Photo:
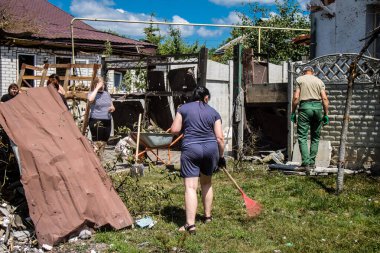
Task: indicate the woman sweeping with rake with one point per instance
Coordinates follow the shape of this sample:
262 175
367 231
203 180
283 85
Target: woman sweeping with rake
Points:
202 152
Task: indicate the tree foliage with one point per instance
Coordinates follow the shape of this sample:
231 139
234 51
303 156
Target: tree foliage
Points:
277 43
152 34
174 44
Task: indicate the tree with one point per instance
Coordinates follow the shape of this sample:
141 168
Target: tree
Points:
352 75
174 44
152 34
277 43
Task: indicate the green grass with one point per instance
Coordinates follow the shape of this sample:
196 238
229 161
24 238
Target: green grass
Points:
301 214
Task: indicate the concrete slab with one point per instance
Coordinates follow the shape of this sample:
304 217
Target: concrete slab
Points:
323 157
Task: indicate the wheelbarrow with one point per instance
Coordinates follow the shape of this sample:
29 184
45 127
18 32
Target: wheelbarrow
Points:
152 141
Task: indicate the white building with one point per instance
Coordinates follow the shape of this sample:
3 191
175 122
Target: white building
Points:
39 32
339 25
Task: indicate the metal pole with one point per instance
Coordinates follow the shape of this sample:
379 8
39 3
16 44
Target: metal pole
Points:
174 23
72 41
259 42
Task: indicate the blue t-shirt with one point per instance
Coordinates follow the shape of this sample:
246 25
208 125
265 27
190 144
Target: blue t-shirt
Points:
198 121
100 107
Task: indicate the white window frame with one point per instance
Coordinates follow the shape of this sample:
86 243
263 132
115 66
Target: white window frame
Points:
121 79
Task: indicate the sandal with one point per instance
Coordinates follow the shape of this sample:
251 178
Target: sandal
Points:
188 228
207 219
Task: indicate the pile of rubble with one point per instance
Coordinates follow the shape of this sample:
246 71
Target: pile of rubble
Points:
15 236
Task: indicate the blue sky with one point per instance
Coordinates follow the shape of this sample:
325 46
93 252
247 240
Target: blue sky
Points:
194 11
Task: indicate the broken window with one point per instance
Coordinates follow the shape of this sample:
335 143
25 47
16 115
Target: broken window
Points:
28 59
373 21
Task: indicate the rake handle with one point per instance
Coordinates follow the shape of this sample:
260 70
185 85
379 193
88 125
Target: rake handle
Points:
232 179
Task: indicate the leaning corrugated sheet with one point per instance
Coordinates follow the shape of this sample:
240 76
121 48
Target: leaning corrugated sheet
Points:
64 182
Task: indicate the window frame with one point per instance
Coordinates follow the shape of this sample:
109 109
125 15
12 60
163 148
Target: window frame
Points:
19 65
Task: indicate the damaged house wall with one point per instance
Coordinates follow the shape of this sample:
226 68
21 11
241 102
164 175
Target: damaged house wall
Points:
10 62
338 27
37 32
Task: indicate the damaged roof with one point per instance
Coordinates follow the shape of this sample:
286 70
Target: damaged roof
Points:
65 185
42 21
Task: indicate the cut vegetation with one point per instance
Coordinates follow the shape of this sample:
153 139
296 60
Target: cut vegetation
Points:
300 214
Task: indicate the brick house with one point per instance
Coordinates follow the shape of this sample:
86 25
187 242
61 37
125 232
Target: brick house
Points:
37 32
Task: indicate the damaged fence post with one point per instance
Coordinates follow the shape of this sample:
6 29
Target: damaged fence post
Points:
238 102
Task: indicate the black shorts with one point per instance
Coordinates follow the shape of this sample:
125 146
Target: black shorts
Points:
199 158
100 129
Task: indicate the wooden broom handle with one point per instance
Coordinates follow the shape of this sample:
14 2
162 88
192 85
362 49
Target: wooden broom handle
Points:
232 179
138 139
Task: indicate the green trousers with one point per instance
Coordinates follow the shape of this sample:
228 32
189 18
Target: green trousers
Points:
310 116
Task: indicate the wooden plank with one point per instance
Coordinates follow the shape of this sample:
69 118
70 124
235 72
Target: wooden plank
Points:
69 65
22 72
81 95
267 93
27 77
33 67
70 78
66 79
87 112
44 73
61 66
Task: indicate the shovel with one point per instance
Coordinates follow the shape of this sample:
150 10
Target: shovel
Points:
138 169
253 208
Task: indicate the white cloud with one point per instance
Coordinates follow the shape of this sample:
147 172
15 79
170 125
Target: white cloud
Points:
229 3
232 18
303 4
203 32
105 9
186 31
239 2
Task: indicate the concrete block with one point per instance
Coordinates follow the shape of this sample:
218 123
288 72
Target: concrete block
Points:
323 157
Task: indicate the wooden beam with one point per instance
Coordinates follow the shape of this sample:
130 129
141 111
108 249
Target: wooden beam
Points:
66 79
22 72
267 93
44 73
87 112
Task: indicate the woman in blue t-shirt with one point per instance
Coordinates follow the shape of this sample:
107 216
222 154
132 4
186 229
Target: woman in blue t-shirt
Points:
202 152
100 112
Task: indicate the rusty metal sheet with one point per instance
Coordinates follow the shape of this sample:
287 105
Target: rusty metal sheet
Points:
64 182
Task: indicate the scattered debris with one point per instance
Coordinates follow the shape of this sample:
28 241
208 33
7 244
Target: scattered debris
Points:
146 222
291 168
85 234
267 157
125 146
47 247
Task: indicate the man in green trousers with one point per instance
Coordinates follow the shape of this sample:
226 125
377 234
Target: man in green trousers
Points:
313 103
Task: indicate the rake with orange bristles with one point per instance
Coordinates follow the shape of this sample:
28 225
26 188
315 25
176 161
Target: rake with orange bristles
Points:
253 207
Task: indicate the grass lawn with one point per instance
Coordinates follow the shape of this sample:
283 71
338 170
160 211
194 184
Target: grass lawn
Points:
301 214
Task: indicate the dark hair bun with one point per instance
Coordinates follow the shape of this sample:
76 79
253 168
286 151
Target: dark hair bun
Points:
199 93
